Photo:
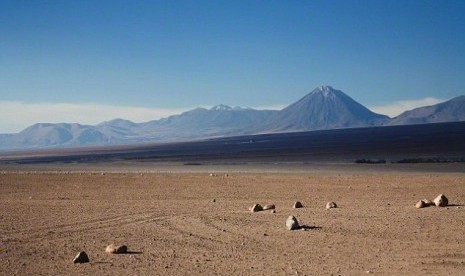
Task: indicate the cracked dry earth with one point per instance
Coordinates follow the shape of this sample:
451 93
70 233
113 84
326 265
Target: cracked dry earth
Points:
172 225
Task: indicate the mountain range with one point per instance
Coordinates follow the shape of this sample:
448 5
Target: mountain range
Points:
323 108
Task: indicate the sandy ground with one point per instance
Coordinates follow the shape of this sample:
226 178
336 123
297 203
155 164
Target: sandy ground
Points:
172 226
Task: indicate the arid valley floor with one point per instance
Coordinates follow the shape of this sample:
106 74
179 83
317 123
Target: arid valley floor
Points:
191 223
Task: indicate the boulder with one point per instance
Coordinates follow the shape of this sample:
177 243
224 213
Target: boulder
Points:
256 208
441 201
269 207
113 249
297 204
81 258
331 204
292 223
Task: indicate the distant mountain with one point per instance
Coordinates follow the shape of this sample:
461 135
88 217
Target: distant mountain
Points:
323 108
450 111
220 120
54 135
118 131
118 123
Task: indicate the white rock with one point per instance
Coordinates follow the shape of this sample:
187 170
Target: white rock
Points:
113 249
269 207
441 201
331 204
292 223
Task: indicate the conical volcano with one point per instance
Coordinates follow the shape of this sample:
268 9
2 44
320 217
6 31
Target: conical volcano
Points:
324 108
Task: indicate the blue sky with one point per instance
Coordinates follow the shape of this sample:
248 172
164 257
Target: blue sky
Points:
143 60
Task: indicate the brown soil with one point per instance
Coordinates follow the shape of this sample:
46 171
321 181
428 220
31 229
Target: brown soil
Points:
172 225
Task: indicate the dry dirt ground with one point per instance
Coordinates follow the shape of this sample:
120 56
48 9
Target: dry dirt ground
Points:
172 226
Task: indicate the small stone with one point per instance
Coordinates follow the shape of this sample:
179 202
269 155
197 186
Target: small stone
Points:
331 205
269 207
81 258
441 201
213 200
420 204
113 249
292 223
298 204
256 208
428 202
273 211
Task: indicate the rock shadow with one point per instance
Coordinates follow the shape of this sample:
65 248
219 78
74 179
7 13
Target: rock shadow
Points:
308 227
130 252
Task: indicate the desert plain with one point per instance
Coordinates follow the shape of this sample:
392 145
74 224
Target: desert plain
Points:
195 222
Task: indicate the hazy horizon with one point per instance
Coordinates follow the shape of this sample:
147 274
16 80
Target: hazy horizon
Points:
92 114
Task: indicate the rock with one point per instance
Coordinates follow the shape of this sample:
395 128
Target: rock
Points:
273 211
256 208
81 258
331 204
424 203
292 223
428 202
441 201
420 204
113 249
269 207
213 200
297 204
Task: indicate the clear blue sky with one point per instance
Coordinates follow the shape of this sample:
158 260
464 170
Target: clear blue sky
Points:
182 54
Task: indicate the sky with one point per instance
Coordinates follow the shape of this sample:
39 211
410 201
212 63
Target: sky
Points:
88 61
